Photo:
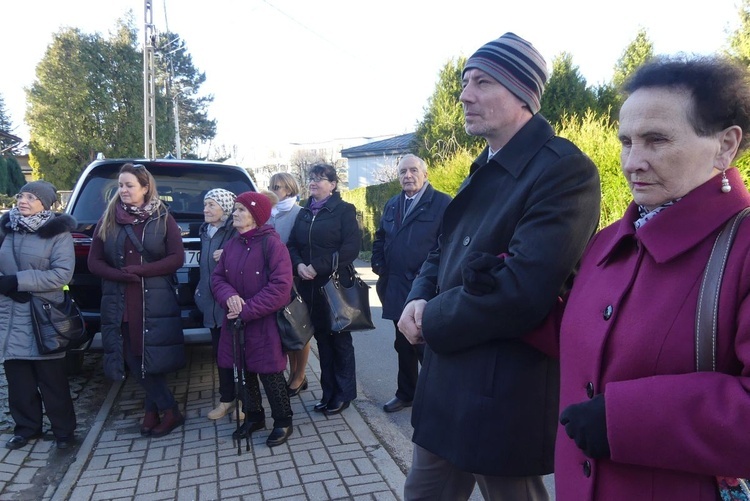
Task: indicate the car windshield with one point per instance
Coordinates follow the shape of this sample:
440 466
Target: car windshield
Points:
181 189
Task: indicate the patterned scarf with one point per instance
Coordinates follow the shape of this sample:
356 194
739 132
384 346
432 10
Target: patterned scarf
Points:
647 215
137 215
28 223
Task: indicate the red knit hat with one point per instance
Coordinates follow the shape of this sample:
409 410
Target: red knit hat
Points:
258 204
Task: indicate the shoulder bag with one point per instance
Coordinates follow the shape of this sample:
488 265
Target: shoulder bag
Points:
295 326
349 307
57 327
730 488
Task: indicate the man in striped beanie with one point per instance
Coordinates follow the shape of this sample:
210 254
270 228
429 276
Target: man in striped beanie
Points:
516 64
486 404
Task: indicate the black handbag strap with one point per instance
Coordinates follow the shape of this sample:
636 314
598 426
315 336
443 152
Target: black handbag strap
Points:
334 263
708 297
138 245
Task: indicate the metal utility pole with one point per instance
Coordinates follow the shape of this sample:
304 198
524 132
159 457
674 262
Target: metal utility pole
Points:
149 83
177 144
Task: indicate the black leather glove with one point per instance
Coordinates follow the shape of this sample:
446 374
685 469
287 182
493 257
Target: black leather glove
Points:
20 297
586 424
8 283
476 273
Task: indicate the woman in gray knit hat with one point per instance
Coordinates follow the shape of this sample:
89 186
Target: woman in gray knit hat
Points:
42 268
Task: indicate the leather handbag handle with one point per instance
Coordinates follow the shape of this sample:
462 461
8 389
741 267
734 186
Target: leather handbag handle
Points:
708 297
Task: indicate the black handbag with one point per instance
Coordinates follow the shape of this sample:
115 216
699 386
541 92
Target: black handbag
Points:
295 326
57 327
349 307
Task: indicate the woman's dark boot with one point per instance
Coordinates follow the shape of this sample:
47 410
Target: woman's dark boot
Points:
150 421
169 421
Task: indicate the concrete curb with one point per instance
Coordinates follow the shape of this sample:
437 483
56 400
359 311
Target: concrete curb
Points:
64 488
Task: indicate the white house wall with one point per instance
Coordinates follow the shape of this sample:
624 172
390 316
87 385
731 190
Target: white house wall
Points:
363 170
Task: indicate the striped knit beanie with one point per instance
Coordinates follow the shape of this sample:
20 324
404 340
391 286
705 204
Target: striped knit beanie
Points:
516 64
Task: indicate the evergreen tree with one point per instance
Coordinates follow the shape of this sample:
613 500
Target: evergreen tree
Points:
6 126
640 50
739 49
739 40
566 92
441 132
88 98
4 175
15 176
183 81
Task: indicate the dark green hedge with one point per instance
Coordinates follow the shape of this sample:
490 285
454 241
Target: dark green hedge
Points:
370 201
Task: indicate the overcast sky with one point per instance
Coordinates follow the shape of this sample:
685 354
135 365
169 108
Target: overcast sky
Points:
297 71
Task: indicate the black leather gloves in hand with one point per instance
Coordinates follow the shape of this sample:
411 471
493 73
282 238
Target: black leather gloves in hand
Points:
586 424
476 273
8 283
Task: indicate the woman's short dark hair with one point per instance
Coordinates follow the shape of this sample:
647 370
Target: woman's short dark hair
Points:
719 86
327 171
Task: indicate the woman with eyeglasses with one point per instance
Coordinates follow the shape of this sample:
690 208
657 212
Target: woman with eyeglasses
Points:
283 216
136 249
36 258
326 225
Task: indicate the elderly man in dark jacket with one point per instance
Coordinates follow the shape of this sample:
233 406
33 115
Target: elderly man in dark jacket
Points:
408 231
485 410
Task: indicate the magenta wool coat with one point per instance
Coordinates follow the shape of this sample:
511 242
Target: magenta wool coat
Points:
628 332
265 283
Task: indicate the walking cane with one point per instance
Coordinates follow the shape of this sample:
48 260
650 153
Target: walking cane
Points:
238 386
239 329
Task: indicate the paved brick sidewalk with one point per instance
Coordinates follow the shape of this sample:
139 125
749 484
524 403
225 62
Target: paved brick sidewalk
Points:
34 472
335 457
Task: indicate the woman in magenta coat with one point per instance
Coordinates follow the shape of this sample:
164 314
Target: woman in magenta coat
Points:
252 281
638 422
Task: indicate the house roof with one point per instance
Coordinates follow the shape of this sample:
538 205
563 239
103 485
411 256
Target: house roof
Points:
396 145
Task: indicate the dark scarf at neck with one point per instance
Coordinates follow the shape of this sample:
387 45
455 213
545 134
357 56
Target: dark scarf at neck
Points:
316 206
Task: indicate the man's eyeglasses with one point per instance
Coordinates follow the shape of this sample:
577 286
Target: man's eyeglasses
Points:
25 196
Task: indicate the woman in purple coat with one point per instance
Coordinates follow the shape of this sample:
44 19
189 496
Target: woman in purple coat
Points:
252 281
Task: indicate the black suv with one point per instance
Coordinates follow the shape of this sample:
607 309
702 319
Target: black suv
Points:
182 185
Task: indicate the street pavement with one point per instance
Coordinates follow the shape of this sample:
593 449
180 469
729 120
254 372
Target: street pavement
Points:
360 454
336 457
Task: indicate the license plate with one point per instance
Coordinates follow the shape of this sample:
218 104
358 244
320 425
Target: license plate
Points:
192 258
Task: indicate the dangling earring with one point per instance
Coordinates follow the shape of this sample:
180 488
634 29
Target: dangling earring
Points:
725 187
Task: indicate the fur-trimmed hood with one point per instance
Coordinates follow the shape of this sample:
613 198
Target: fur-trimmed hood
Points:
60 223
